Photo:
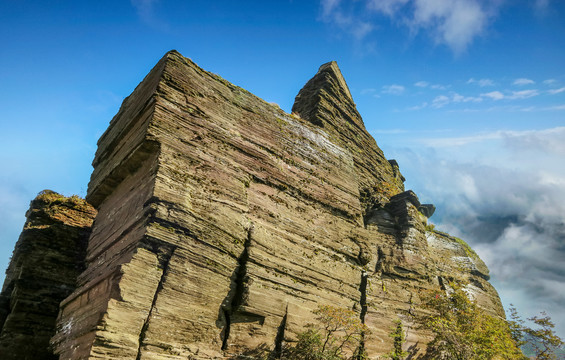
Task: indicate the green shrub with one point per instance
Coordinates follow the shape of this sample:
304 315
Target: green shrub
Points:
339 335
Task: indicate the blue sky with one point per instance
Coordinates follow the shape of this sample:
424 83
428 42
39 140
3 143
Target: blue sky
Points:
467 95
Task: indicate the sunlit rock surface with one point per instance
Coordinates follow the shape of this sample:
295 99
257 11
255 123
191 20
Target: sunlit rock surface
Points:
223 222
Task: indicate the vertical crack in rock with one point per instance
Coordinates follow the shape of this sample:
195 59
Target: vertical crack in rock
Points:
380 261
363 303
363 291
441 283
164 259
239 294
279 339
226 330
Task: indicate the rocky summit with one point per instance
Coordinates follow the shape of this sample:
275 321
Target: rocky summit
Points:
220 224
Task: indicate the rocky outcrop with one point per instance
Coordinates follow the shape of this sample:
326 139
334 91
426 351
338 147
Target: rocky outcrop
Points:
223 222
45 264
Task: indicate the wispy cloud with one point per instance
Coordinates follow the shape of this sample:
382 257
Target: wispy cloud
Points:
549 81
494 95
393 89
548 139
388 7
389 131
425 84
146 11
556 91
514 95
439 87
481 82
349 22
524 94
370 92
443 100
440 101
455 23
523 81
541 6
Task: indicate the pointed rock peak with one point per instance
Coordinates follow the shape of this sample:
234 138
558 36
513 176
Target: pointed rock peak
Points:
326 99
333 70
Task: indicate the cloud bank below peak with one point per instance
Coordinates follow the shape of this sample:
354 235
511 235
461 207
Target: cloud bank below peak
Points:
454 23
504 193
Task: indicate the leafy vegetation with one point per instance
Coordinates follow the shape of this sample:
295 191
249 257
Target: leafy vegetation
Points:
465 331
541 340
340 336
462 330
397 335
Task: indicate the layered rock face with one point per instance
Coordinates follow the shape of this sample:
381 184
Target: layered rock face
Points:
223 222
47 259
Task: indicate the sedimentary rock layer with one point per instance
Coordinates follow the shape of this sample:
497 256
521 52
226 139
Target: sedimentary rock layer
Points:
43 270
223 222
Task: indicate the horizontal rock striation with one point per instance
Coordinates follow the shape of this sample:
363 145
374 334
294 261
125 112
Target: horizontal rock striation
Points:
47 259
223 222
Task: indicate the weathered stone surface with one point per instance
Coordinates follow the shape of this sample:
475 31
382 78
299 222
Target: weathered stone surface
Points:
427 210
45 264
223 222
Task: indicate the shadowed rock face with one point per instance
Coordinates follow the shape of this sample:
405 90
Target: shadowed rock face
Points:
223 222
45 264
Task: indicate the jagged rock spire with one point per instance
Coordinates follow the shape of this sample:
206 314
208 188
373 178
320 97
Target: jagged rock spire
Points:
326 101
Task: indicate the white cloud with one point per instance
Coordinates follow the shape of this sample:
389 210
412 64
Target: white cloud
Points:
514 95
425 84
524 94
452 22
455 23
523 81
348 22
549 81
495 95
548 141
557 107
439 87
440 101
388 7
504 193
328 6
556 91
457 98
393 89
481 82
443 100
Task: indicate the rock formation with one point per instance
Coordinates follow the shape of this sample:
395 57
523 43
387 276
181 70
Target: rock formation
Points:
45 264
223 222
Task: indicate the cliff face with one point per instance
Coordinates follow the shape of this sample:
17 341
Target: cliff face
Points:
45 264
223 222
